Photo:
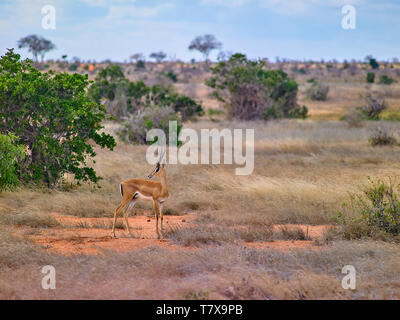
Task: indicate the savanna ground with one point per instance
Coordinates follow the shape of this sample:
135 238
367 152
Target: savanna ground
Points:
262 236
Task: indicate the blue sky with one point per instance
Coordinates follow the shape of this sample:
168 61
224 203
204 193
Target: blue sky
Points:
296 29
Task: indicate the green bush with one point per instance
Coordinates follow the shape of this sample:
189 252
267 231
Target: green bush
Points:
171 75
386 80
10 155
249 91
53 118
373 212
370 77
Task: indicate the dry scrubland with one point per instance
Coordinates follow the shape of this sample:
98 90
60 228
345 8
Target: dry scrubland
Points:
304 170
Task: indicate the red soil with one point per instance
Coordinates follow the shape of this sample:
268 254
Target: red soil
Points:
72 238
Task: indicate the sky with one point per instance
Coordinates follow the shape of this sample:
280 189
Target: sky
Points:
291 29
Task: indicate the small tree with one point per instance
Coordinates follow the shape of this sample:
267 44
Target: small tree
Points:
372 62
158 56
53 118
205 44
136 56
36 45
370 77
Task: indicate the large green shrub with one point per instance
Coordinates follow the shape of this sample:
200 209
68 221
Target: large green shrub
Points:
10 155
249 91
53 118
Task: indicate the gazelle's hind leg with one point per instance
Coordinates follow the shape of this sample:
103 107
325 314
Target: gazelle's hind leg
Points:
117 211
155 207
126 214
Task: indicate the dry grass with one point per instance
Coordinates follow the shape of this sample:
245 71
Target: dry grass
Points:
228 271
303 173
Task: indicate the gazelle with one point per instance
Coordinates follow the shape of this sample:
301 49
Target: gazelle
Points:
134 189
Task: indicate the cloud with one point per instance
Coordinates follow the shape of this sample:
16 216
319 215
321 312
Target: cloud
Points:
131 11
105 3
225 3
95 3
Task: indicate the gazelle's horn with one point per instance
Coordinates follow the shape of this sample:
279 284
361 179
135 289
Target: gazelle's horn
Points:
161 156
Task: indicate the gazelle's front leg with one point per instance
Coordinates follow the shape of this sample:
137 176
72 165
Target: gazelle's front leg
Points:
126 215
161 215
155 207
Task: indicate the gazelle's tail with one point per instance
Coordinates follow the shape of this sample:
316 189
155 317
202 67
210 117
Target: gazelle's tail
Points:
121 190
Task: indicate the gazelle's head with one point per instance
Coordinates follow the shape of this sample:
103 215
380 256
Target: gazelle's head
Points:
159 167
157 170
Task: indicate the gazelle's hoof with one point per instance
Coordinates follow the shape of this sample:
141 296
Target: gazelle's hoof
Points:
113 235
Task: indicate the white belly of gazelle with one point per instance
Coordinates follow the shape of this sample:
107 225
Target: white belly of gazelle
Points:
143 197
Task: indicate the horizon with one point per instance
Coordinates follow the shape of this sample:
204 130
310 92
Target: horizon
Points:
302 29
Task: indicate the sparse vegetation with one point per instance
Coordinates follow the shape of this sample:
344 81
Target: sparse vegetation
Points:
373 106
382 136
317 91
375 213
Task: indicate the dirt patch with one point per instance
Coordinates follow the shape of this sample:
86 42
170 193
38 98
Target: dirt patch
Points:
92 236
313 232
95 236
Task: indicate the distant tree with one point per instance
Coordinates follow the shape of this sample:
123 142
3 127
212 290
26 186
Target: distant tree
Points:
372 62
37 45
205 44
158 56
136 57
